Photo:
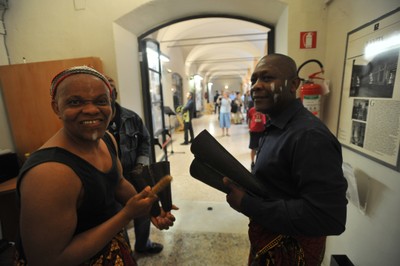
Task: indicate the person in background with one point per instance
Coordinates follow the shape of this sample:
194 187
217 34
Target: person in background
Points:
74 201
225 113
216 105
256 123
299 161
247 103
237 109
187 114
232 95
133 140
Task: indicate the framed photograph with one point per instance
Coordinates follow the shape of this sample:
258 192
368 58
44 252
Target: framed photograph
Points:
369 119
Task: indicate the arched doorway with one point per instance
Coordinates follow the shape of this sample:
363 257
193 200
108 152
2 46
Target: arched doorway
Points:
149 19
206 53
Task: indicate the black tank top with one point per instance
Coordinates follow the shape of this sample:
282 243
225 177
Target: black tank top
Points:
98 203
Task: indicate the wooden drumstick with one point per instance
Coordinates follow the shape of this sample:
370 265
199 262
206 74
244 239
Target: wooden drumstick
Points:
162 184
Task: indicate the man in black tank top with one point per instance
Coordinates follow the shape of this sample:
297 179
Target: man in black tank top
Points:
70 191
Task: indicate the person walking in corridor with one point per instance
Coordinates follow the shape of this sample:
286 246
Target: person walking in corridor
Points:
216 105
256 122
225 113
236 109
187 114
299 163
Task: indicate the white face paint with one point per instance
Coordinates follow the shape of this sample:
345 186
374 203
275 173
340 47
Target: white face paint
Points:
276 95
94 136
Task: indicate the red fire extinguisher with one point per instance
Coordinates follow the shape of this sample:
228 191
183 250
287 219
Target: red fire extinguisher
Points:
310 92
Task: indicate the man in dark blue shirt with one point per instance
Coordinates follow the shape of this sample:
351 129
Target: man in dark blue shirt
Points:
300 164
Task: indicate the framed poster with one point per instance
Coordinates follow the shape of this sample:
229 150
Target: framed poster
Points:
369 120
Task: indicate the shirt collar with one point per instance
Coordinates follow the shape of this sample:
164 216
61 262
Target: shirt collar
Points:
283 118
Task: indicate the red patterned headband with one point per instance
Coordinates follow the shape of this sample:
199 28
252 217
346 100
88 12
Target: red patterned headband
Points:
73 71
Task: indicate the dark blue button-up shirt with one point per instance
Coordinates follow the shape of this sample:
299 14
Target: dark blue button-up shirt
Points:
300 164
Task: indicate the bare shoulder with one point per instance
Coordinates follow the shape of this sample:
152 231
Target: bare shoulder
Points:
49 198
51 180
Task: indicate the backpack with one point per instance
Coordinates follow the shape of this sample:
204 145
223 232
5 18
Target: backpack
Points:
234 107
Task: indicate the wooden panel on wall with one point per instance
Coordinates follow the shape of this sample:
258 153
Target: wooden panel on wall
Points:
26 94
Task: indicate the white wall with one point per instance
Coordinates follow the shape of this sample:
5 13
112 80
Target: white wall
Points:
234 84
175 65
126 55
281 36
306 15
370 239
43 30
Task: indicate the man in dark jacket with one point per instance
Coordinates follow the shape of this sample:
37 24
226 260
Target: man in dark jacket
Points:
133 141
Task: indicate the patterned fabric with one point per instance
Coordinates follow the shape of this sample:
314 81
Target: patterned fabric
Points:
274 249
77 70
116 253
18 261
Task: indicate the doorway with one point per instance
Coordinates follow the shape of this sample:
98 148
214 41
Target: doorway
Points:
207 54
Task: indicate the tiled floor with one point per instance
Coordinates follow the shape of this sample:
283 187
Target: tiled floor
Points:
207 231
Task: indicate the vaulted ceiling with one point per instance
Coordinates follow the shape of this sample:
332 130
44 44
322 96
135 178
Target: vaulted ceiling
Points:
216 48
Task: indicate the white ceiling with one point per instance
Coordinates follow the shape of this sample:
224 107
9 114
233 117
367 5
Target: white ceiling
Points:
215 48
215 45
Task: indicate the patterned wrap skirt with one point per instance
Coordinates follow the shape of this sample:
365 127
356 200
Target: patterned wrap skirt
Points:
274 249
116 253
